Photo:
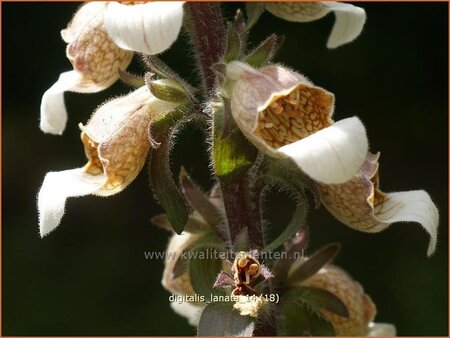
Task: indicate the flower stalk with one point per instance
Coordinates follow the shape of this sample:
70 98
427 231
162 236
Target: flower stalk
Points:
207 32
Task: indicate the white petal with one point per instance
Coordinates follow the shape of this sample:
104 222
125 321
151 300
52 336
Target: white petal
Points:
332 155
57 187
382 329
149 28
348 25
53 109
411 206
189 311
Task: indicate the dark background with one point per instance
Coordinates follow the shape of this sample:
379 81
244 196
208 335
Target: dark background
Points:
90 277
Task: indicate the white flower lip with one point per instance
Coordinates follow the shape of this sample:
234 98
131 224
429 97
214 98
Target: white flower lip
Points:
52 199
53 108
349 23
410 206
149 28
332 155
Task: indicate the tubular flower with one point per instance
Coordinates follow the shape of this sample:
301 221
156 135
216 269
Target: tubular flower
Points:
286 116
349 19
96 60
360 204
116 145
359 305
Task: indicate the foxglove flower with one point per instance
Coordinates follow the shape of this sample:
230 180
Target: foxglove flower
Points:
349 19
360 204
96 60
116 145
359 305
286 116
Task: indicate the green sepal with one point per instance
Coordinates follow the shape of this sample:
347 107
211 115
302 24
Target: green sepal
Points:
232 153
233 49
166 90
313 264
264 53
204 266
299 319
219 319
163 185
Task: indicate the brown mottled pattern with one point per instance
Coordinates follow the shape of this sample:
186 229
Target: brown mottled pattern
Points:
97 57
353 202
91 51
297 11
125 153
360 307
275 105
120 157
295 116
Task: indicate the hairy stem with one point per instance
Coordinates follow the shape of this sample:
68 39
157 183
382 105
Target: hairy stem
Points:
206 29
240 213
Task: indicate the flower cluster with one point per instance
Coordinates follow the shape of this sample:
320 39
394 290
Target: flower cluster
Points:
269 125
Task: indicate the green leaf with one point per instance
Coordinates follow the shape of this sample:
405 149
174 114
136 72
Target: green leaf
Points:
164 187
204 266
298 220
314 263
233 49
300 320
232 153
198 200
219 319
320 299
263 53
